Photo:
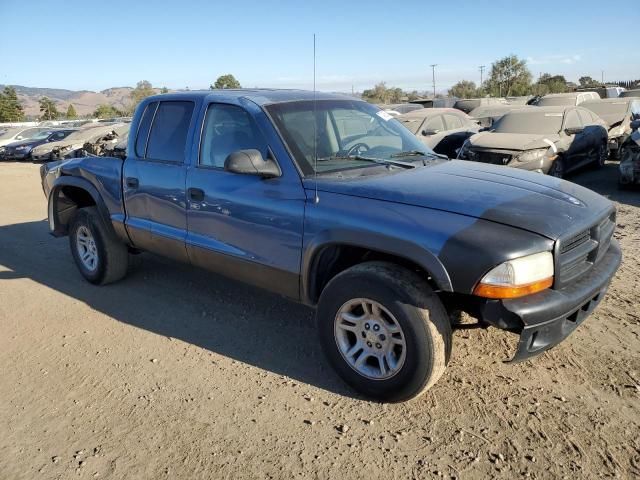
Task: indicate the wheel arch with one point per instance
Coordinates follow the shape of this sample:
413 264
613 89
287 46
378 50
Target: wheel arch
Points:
332 252
67 195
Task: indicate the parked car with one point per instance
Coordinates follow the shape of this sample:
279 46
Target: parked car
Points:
16 134
631 93
22 149
553 140
68 147
566 99
611 91
447 102
326 200
444 130
617 113
629 169
468 104
487 115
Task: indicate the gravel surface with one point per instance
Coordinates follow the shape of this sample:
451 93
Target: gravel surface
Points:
178 373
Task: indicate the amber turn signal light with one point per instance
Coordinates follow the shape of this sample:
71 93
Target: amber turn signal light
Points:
510 291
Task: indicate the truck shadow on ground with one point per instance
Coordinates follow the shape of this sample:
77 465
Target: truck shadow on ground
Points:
182 302
605 182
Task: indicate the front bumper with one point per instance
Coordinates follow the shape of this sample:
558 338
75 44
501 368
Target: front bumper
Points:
545 319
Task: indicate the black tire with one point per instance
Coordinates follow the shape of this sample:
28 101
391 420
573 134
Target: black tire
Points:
557 168
112 255
418 311
602 153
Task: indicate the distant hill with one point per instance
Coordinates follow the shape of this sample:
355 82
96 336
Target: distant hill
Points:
84 101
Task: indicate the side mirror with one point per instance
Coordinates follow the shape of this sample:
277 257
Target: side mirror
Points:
429 131
250 162
573 130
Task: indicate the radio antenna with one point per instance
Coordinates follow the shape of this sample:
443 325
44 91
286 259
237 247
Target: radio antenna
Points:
315 126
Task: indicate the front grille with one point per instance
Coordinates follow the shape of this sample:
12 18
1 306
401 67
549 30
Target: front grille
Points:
577 253
495 158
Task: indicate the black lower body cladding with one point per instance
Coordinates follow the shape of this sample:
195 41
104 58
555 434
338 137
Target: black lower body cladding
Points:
545 319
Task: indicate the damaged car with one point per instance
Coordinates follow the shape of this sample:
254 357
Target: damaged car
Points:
629 169
552 140
21 150
444 130
468 104
630 93
75 143
618 114
16 134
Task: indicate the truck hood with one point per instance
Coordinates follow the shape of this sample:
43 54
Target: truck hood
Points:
512 141
530 201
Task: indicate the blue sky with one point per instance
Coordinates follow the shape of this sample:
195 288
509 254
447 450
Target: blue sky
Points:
95 45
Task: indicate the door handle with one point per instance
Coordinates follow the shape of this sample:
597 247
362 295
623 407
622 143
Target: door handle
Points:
196 194
132 182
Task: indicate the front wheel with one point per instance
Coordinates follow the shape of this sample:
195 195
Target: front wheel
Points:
384 331
99 255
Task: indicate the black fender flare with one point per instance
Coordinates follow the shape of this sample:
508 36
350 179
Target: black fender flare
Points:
372 241
59 228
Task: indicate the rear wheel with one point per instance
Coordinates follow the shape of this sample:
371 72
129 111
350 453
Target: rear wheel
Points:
384 331
557 168
99 255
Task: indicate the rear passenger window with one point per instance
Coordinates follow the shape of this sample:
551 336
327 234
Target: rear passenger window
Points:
168 136
143 129
227 129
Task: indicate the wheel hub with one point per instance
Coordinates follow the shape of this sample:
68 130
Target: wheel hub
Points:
370 339
86 248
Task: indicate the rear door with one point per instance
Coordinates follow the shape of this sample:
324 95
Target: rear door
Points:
244 226
154 179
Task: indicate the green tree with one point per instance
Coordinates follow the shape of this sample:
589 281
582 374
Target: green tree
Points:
48 109
106 111
164 90
71 112
554 83
509 76
10 107
587 81
226 81
143 90
464 89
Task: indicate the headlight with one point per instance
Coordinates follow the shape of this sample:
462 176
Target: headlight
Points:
617 131
517 278
531 155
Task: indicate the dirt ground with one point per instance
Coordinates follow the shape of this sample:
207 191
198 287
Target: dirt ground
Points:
178 373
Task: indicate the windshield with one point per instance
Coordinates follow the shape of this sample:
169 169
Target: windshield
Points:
41 135
529 122
556 101
348 133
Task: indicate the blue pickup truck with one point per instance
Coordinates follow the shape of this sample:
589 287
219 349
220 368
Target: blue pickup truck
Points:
331 202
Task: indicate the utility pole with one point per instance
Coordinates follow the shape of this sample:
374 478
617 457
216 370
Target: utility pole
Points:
433 73
602 77
481 67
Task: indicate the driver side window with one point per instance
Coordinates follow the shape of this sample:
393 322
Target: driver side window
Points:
434 124
572 120
227 129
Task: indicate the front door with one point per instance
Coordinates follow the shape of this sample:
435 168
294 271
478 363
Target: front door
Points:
155 179
243 226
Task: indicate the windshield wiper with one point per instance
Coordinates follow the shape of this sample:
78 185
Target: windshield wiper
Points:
381 161
418 153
